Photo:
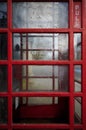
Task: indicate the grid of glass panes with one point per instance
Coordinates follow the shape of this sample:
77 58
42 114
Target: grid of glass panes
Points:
36 68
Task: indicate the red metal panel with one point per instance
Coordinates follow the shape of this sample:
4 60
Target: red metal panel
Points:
42 126
44 111
77 14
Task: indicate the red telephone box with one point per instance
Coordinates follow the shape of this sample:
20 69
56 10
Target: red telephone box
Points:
42 65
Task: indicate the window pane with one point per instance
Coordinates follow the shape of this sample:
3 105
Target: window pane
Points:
40 78
3 110
77 46
78 110
40 110
40 46
3 78
40 14
77 78
3 46
3 14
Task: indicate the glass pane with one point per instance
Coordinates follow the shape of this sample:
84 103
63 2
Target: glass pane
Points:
40 78
40 110
36 84
40 14
77 46
77 13
63 75
77 78
40 46
3 46
3 110
78 110
3 78
3 14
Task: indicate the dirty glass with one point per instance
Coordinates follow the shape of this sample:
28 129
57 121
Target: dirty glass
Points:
3 110
29 110
40 14
37 46
78 110
3 78
3 46
77 46
40 78
3 14
77 78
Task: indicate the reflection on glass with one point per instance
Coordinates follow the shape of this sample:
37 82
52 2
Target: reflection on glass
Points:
40 78
40 110
40 46
3 110
78 110
3 14
77 78
3 78
3 46
40 14
77 46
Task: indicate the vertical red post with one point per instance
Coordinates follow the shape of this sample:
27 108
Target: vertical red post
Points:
84 63
27 67
9 14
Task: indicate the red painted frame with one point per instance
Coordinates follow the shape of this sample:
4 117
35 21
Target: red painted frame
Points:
71 94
